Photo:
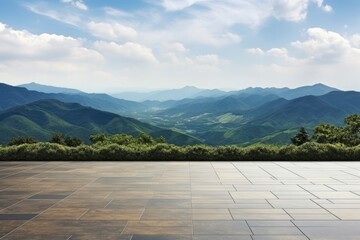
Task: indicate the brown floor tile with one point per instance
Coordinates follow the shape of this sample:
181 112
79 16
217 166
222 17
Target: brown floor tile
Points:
7 226
113 214
179 200
221 228
30 206
63 213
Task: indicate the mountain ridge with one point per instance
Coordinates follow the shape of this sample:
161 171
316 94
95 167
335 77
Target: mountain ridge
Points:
252 115
44 117
49 89
13 96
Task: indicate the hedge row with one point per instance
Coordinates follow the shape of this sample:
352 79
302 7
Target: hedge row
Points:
166 152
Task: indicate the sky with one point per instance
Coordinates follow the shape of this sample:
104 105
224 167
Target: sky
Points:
121 45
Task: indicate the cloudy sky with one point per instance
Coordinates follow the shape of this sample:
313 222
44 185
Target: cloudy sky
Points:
115 45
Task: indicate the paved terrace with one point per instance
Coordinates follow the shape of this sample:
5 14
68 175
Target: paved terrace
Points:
180 200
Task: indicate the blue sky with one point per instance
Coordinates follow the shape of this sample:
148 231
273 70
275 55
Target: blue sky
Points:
120 45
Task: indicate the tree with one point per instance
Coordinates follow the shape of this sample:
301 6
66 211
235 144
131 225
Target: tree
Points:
73 141
348 135
61 139
161 139
326 133
352 130
58 138
145 138
22 140
98 138
353 124
301 137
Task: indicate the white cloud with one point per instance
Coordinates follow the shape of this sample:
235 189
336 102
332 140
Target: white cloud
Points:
258 10
197 62
212 22
47 58
278 52
171 57
61 16
208 22
327 8
324 46
130 50
355 40
116 12
290 10
76 3
176 5
324 7
209 59
327 57
276 55
178 47
321 47
255 51
111 31
319 3
21 44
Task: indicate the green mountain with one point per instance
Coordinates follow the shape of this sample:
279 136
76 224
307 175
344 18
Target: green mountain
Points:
14 96
253 115
42 118
331 108
275 122
235 102
247 119
217 106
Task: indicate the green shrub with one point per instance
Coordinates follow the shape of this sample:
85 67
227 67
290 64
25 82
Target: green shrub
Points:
22 140
58 138
72 141
309 151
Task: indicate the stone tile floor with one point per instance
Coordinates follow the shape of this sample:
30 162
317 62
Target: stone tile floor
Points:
180 200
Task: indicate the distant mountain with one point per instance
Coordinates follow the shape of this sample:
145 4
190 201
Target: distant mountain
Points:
172 94
287 93
49 89
347 101
13 96
314 90
235 102
308 110
41 118
245 118
260 91
277 121
230 104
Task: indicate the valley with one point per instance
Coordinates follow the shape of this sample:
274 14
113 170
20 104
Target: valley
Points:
212 117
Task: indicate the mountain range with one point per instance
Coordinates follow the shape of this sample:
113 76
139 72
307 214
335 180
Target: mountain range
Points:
270 119
49 89
193 92
171 94
14 96
193 115
41 118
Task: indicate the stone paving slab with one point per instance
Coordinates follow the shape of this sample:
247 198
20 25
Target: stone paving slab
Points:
180 200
